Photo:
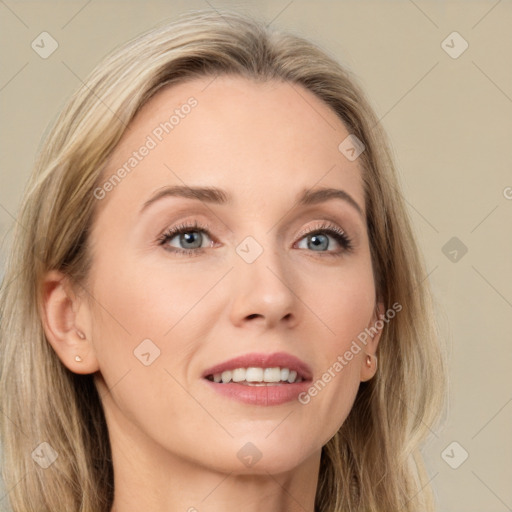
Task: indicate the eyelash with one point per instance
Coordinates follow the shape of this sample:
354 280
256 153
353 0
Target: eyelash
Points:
325 228
178 230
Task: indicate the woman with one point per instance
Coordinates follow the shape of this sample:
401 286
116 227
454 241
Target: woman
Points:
214 298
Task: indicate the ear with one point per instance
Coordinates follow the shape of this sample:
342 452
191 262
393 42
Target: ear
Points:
374 331
65 317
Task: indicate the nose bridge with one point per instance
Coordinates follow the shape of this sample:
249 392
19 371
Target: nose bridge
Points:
261 278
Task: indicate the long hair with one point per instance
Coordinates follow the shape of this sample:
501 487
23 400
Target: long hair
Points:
373 463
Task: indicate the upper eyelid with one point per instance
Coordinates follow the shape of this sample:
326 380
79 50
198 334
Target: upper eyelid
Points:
323 212
324 225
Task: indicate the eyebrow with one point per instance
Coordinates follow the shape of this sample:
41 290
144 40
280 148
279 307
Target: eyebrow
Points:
218 196
321 195
206 194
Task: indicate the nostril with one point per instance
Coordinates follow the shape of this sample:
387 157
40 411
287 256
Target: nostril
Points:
254 315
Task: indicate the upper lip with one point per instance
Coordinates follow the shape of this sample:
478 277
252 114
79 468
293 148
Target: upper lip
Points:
277 359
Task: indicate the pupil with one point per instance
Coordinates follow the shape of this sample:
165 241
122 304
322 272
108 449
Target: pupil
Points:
318 241
192 238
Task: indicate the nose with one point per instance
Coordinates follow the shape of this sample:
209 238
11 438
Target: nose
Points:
263 293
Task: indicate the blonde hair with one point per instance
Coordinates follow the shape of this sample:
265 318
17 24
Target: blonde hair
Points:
373 463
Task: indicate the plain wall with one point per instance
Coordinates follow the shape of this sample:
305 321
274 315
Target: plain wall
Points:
450 123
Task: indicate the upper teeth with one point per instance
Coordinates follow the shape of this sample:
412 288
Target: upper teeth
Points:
258 375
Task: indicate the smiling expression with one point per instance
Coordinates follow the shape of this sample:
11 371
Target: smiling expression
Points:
241 232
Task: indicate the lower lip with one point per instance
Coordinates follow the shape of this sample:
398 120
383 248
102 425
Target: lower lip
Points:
260 395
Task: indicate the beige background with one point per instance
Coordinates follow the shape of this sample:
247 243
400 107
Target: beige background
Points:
450 122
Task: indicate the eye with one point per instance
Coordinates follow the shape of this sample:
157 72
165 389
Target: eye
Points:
192 239
186 239
327 238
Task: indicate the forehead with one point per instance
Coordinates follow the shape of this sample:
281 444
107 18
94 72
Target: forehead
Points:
237 134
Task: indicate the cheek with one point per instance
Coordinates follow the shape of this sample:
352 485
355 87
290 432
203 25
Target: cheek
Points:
136 304
140 301
166 305
333 390
344 305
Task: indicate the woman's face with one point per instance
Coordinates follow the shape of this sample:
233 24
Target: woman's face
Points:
262 267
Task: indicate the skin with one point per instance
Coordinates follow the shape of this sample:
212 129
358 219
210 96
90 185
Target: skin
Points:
174 440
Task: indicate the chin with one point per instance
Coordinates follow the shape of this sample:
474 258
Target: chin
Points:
254 456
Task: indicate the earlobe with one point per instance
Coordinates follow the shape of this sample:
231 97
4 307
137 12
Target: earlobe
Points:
61 313
369 358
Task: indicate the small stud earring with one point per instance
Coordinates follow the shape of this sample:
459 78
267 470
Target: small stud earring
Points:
78 359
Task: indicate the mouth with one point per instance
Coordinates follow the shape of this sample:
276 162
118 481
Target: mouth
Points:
276 368
260 379
254 376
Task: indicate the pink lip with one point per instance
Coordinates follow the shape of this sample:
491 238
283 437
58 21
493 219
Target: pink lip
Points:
274 394
260 395
281 359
